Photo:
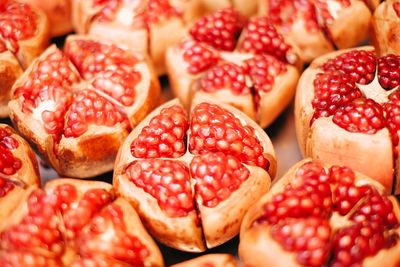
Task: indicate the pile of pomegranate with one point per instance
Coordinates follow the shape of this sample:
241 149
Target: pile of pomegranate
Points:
254 72
147 26
192 175
320 215
319 27
347 112
78 105
24 34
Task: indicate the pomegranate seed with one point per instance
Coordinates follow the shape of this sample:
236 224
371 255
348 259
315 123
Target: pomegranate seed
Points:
219 29
324 12
214 129
217 175
17 22
199 56
263 69
89 108
332 90
389 71
164 136
119 246
351 245
153 11
9 164
361 115
308 237
392 114
224 76
167 181
261 37
97 262
360 65
108 9
27 259
6 186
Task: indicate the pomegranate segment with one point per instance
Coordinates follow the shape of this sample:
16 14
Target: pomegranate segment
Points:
72 222
359 228
183 192
199 56
72 103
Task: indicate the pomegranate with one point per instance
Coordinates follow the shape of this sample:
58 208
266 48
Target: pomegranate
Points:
210 260
254 72
322 215
191 177
346 112
147 26
75 223
77 106
24 34
246 8
385 27
18 170
318 27
58 12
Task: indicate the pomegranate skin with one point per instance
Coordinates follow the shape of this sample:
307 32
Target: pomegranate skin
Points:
326 111
14 62
210 172
257 234
385 28
245 8
82 116
74 216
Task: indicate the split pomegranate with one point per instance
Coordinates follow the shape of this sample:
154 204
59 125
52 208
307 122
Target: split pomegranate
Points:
18 169
146 26
346 112
318 27
358 225
385 27
253 72
75 223
210 260
24 34
192 176
77 106
58 13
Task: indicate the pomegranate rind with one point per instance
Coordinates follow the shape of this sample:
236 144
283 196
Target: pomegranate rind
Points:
245 8
327 142
217 224
215 260
386 29
255 238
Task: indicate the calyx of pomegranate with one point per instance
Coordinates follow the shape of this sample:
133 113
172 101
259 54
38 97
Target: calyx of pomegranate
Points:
247 64
319 27
24 34
346 112
146 26
322 215
192 176
75 223
77 106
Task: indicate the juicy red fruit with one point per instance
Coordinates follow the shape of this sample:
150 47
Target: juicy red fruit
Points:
389 71
199 56
219 29
214 129
167 181
9 164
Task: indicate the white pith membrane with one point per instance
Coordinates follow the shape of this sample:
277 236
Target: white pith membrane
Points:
82 222
257 238
202 226
71 155
325 140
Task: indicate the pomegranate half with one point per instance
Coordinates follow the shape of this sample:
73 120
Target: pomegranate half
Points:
318 27
18 170
253 72
24 34
75 223
58 12
192 177
78 106
346 112
322 215
210 260
147 26
386 27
